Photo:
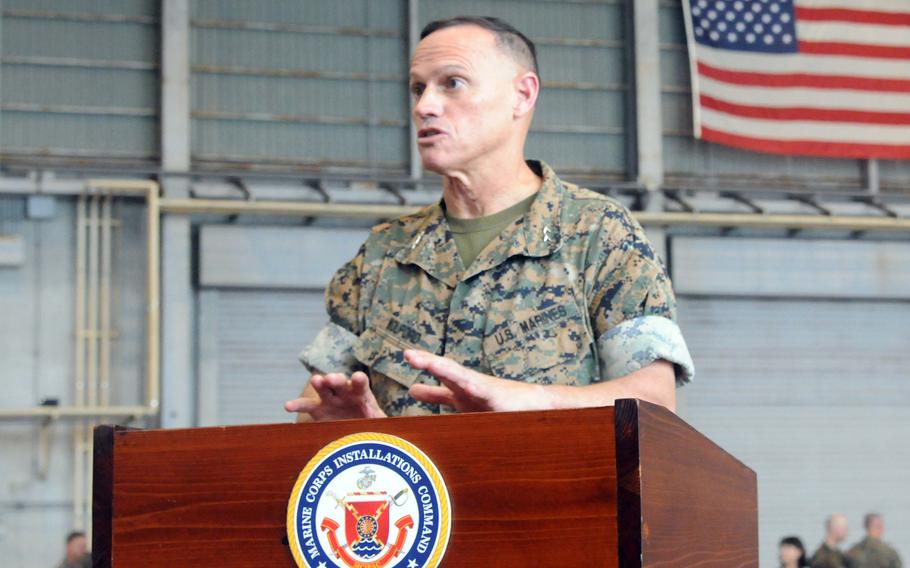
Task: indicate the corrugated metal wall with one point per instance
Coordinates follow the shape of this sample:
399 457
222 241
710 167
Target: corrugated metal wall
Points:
300 84
321 86
79 80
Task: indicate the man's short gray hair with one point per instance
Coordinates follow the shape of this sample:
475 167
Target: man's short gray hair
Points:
508 38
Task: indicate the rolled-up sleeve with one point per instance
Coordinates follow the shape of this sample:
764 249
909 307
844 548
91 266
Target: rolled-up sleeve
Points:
638 342
332 349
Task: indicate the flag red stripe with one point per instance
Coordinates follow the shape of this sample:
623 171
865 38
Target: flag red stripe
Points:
802 113
841 48
808 147
853 16
804 80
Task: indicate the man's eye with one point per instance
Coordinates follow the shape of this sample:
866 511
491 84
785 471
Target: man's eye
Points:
417 90
454 83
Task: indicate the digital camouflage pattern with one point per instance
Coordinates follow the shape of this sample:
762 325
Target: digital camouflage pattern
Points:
872 553
827 557
538 304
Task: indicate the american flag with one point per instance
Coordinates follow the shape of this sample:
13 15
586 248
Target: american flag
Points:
802 77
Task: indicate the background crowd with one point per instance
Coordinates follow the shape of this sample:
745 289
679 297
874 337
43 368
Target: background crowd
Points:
870 552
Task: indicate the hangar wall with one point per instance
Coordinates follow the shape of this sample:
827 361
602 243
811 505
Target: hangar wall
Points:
800 361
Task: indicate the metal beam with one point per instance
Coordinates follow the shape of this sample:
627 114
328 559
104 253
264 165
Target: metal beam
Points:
660 218
647 93
413 39
175 85
73 412
873 177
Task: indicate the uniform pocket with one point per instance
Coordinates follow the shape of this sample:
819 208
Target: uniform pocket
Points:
384 354
549 347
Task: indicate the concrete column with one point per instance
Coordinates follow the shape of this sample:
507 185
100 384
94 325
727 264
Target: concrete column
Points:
178 384
647 93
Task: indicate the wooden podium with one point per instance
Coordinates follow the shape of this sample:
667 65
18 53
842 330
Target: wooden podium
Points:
625 486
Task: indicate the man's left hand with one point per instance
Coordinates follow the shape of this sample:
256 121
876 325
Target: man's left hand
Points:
466 390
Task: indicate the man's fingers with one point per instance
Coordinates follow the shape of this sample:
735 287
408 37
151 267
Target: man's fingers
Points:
432 394
360 384
330 385
336 381
305 404
442 368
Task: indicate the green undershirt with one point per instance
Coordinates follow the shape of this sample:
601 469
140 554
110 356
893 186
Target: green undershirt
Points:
473 235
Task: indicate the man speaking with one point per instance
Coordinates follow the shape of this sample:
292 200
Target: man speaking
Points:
517 291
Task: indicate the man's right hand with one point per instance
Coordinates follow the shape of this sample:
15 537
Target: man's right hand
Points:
335 397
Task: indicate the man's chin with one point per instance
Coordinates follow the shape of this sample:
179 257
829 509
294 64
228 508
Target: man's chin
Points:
436 165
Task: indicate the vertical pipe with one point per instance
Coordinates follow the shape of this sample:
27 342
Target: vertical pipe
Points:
102 393
153 231
79 364
94 247
91 377
106 246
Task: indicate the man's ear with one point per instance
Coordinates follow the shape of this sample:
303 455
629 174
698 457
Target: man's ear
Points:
527 87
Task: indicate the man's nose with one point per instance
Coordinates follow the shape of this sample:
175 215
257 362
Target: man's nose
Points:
427 104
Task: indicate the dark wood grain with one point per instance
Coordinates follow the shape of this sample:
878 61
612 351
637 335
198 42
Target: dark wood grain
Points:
527 489
102 491
698 503
631 488
628 484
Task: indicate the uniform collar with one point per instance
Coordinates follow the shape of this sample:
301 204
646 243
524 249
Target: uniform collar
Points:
536 234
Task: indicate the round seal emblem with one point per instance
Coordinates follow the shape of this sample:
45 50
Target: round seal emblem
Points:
369 500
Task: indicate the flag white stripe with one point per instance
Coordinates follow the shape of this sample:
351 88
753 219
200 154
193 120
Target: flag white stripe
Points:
844 32
873 5
805 129
803 63
786 97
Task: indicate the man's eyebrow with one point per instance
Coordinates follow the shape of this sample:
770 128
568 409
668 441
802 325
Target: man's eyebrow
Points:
444 70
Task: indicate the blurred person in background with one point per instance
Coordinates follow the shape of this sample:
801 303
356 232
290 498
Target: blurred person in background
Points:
829 554
871 552
77 554
792 553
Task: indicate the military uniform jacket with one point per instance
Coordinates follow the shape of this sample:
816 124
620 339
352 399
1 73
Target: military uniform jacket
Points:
827 557
571 293
872 553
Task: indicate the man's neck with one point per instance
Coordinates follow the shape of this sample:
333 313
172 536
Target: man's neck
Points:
831 542
487 191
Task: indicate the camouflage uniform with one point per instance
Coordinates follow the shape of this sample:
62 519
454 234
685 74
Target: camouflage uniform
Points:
827 557
570 294
872 553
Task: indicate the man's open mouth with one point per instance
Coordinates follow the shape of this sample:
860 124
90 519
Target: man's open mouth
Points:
428 132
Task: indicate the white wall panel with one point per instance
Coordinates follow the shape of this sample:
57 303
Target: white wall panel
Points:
248 352
815 397
250 256
791 267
